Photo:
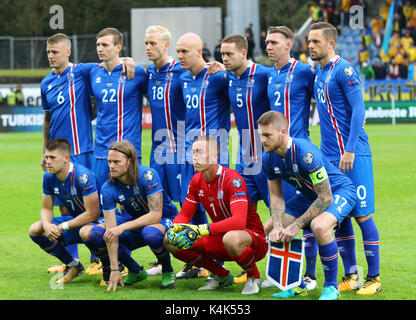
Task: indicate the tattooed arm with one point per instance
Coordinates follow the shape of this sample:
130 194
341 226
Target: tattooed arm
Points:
277 209
321 203
155 203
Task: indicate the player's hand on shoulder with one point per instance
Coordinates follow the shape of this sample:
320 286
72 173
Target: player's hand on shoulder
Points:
129 68
214 67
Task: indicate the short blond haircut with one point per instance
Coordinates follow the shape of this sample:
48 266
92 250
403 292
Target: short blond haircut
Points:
164 33
59 37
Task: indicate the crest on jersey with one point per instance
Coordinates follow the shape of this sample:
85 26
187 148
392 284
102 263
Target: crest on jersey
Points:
237 182
122 79
169 76
205 84
308 158
220 194
71 77
83 178
289 79
349 71
148 175
250 83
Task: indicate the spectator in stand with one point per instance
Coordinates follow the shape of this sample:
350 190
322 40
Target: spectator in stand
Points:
412 53
250 50
263 45
377 25
206 54
407 10
406 41
411 23
19 95
345 12
335 18
367 72
393 70
11 98
2 100
217 52
379 69
314 12
366 36
363 54
384 10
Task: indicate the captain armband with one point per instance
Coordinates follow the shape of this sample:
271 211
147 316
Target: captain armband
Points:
319 176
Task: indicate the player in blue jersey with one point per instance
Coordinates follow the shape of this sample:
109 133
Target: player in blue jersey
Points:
248 98
75 186
326 195
340 104
66 100
290 90
148 213
207 109
167 107
119 100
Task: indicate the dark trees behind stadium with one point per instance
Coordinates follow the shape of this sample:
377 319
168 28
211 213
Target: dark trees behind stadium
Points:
23 18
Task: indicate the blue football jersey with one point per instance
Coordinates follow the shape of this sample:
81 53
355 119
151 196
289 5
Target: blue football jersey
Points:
302 160
248 98
68 99
119 107
290 91
207 107
79 183
167 106
134 197
341 109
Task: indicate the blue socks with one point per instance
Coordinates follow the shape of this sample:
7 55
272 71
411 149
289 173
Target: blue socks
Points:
371 246
311 251
55 249
329 259
346 245
154 239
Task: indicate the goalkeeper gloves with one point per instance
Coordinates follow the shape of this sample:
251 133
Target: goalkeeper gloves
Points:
183 236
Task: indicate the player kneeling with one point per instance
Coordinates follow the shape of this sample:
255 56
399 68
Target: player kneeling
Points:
236 232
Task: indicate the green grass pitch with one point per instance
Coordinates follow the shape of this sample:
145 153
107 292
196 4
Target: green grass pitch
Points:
23 265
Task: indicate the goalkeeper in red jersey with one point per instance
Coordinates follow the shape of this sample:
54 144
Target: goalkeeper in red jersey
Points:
236 232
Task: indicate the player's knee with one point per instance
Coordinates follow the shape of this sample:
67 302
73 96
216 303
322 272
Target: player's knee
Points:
362 219
233 242
36 229
97 236
85 232
153 237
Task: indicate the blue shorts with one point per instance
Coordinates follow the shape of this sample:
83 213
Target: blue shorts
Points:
344 201
68 236
362 177
133 239
170 175
85 159
257 186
